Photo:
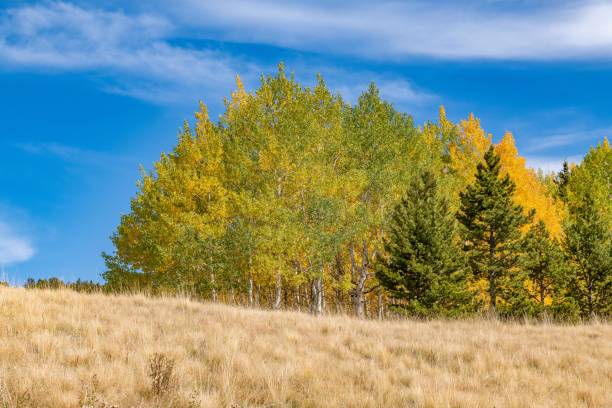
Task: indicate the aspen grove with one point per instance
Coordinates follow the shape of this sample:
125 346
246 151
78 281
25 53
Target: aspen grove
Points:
296 199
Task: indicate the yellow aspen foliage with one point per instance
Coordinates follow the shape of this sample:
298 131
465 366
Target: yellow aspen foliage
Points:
531 193
469 147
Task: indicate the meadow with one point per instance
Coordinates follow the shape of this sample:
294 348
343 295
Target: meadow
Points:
66 349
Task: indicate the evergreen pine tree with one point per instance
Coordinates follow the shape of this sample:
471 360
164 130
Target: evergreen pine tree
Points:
491 224
561 180
423 267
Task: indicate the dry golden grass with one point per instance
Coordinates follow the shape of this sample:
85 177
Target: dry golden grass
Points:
63 349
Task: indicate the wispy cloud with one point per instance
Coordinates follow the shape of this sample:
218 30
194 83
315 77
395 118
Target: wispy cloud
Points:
138 55
391 29
75 155
561 139
138 52
399 91
14 248
134 49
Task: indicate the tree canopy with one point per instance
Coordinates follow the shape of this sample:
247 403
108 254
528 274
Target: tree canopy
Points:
296 198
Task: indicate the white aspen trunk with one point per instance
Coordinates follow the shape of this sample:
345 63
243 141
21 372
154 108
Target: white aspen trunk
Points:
322 291
307 298
381 309
250 290
318 295
298 301
250 282
214 289
278 292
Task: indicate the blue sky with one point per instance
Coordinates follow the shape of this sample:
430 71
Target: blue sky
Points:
91 90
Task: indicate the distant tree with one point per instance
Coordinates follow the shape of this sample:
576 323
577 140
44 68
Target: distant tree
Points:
56 283
491 224
561 180
422 265
51 283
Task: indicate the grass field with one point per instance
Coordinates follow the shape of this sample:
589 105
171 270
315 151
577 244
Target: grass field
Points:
64 349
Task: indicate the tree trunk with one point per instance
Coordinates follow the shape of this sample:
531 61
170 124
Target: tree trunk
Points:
308 299
250 290
322 291
339 300
214 289
298 301
278 292
317 294
360 275
381 309
492 274
493 291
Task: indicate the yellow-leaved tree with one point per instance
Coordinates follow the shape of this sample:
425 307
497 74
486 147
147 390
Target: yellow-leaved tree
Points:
530 192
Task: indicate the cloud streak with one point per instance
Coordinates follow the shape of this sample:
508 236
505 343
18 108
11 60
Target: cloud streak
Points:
566 139
75 155
134 48
389 29
139 56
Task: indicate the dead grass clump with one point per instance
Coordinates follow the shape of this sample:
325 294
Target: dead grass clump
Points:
161 374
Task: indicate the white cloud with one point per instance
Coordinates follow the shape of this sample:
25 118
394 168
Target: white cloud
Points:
550 164
398 91
13 247
390 29
134 49
137 55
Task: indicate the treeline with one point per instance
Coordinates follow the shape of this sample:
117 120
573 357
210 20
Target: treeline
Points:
296 199
56 283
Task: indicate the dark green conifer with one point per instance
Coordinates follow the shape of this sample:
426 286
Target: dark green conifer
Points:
561 180
491 223
423 268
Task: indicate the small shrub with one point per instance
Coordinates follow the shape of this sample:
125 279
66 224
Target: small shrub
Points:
161 373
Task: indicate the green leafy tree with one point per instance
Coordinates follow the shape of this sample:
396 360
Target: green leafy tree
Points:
588 244
491 224
423 266
376 168
588 231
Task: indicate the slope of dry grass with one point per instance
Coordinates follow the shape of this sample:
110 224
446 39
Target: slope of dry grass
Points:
63 349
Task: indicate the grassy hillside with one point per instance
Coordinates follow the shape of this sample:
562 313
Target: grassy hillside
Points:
64 349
